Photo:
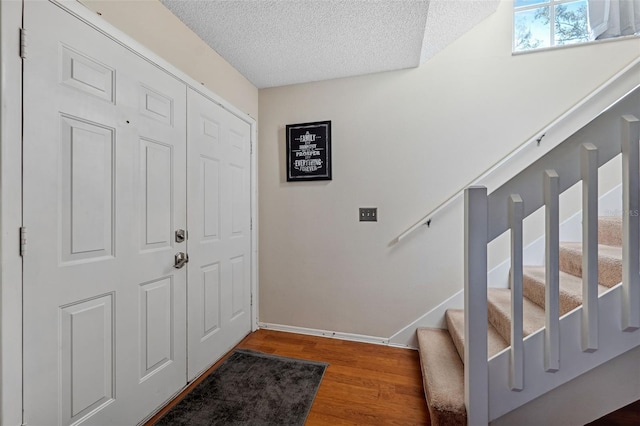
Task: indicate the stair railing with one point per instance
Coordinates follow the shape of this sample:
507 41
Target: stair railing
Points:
613 132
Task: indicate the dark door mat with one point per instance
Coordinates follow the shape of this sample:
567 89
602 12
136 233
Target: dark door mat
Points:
251 388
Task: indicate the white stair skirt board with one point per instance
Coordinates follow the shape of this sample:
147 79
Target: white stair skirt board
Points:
406 337
326 333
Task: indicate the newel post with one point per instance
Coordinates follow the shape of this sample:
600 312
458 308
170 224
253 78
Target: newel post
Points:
476 366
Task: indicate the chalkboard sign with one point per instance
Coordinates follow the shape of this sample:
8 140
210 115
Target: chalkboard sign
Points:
309 151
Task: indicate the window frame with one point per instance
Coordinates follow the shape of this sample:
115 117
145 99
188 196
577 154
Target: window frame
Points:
551 4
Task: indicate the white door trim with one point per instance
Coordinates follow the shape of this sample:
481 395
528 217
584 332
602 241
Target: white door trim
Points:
11 191
10 214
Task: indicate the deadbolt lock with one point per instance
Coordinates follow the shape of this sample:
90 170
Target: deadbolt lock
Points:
181 235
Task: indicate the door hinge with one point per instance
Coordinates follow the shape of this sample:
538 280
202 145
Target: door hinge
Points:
251 224
251 300
23 43
23 241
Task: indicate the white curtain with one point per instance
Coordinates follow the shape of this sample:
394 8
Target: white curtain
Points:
613 18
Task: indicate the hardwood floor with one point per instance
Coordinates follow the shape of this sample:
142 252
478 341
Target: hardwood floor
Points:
626 416
365 384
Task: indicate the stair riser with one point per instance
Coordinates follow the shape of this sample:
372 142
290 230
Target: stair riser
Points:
610 231
609 269
534 290
500 322
457 332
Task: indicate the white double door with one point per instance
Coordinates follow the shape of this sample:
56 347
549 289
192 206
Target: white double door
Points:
112 329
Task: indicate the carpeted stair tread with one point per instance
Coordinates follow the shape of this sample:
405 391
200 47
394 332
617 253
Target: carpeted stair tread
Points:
610 230
570 288
442 376
455 323
500 313
609 262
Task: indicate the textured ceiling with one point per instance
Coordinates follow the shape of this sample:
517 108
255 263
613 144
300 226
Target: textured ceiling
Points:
281 42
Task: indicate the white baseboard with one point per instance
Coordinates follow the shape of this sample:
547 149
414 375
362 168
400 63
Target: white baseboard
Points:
325 333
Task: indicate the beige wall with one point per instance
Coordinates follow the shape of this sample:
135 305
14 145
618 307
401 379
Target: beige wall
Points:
403 142
154 26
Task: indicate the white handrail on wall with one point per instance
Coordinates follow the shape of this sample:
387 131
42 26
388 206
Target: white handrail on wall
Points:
426 219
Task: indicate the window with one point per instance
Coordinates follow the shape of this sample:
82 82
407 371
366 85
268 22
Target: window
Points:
546 23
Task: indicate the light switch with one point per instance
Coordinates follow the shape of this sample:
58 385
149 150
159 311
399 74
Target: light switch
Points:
368 214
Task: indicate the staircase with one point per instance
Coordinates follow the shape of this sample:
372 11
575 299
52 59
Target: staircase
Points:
442 351
555 322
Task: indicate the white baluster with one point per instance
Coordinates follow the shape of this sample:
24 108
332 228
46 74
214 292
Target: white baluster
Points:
630 223
516 213
476 366
552 272
589 170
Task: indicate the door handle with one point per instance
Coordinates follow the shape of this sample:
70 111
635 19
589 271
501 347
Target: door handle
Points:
180 260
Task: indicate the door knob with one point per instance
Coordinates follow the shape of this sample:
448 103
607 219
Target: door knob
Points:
180 260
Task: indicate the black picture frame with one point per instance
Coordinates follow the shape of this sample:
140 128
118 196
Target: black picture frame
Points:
309 151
